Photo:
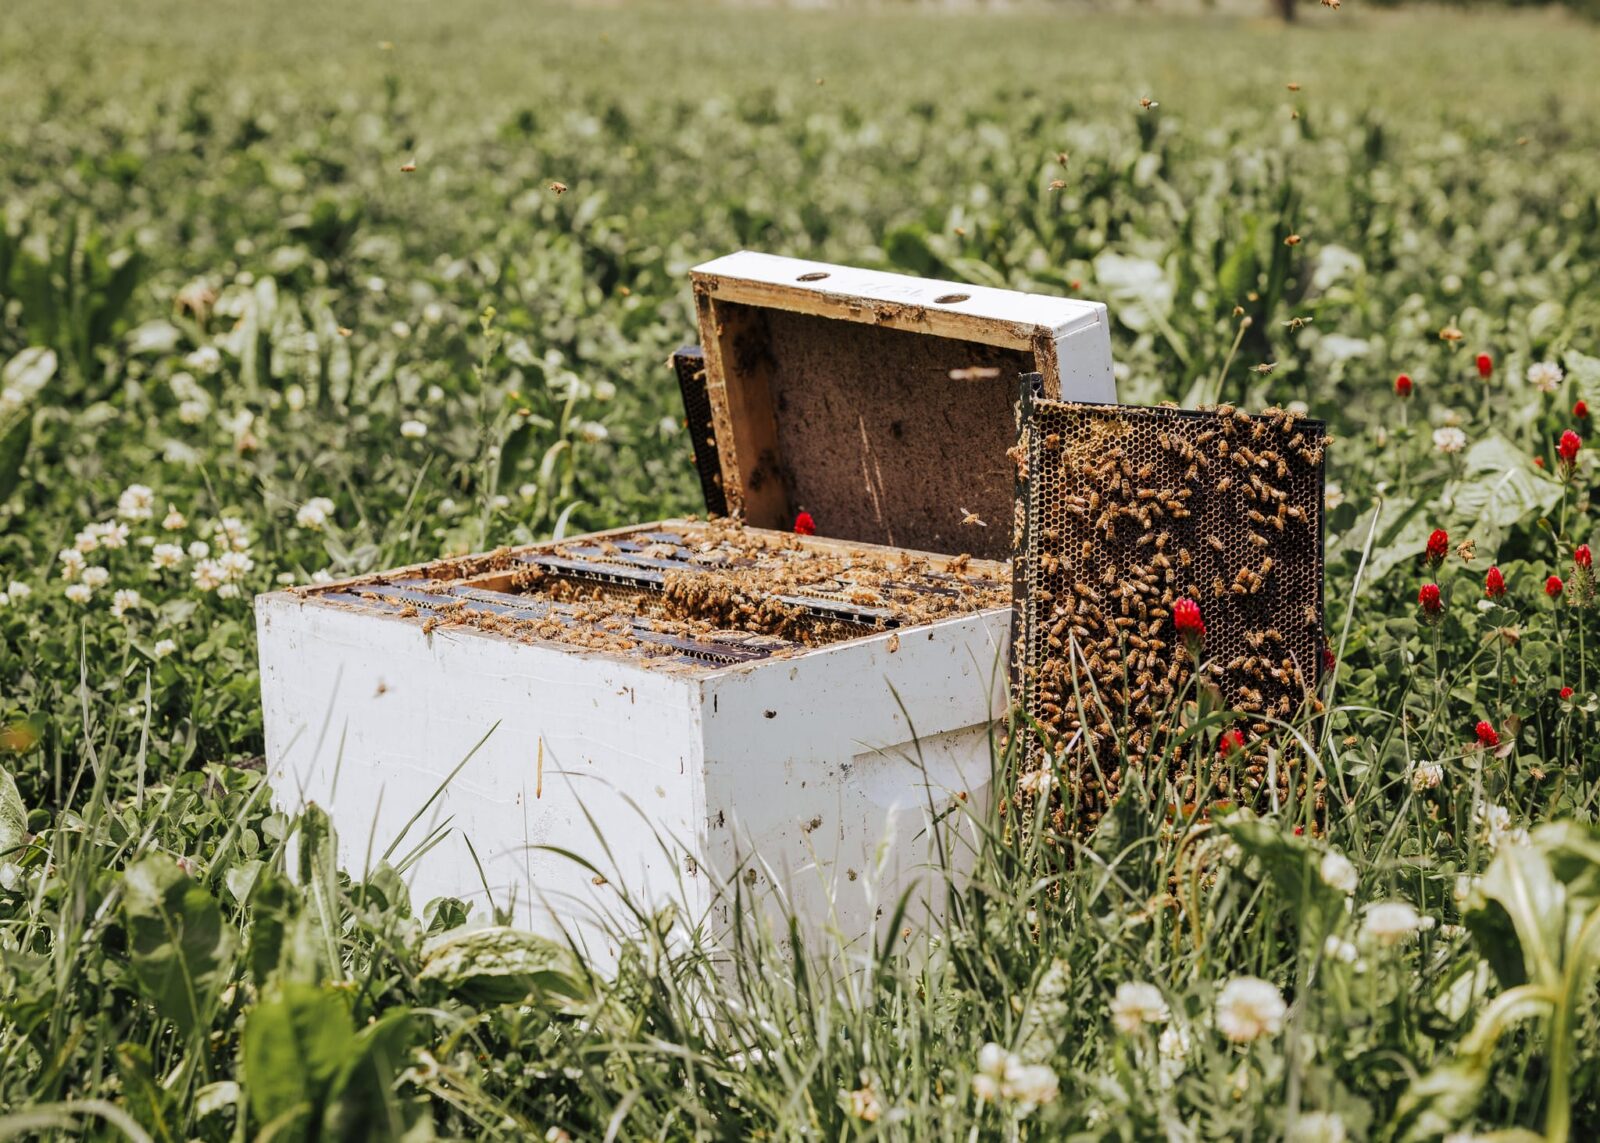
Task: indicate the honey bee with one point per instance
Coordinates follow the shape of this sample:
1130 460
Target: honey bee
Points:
969 517
1216 543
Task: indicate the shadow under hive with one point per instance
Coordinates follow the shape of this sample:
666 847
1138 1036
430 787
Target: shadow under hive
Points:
1122 511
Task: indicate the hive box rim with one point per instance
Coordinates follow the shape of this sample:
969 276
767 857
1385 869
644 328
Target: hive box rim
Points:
315 595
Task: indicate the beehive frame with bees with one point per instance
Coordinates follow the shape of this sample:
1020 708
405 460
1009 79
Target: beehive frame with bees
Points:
693 709
1127 516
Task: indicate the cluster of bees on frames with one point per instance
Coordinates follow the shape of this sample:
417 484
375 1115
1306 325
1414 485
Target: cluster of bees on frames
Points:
728 579
1128 511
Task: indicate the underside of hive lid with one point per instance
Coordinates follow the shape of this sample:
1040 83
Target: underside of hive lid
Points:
882 405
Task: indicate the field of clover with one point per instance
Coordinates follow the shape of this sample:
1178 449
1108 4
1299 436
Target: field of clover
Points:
287 295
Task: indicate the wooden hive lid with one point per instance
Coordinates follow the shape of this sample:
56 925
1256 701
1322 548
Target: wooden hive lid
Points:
882 404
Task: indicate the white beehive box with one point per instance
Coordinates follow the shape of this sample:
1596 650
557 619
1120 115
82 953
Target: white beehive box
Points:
884 406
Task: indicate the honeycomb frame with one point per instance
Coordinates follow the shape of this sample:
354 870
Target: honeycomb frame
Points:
1123 510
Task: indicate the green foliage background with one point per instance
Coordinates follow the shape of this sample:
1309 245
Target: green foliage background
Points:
1441 169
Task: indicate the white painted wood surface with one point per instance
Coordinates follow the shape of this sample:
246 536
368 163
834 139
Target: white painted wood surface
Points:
793 777
1080 329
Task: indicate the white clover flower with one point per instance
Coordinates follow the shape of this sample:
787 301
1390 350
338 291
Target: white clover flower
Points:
1332 495
864 1104
124 601
1497 827
1002 1075
1338 872
593 431
206 359
1249 1008
295 397
163 648
400 329
18 591
107 534
5 600
228 591
1137 1004
500 502
435 394
173 521
165 557
199 550
72 563
285 579
669 427
1031 1085
1037 782
96 576
322 575
1339 949
1545 376
235 565
1174 1043
413 430
186 388
433 313
528 491
230 532
208 575
1426 776
314 513
193 412
137 502
80 593
1449 439
1391 922
604 391
1317 1127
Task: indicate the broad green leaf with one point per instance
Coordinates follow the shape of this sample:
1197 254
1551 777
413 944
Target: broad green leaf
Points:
1403 528
1138 290
178 941
295 1041
30 370
1500 487
1294 866
142 1096
13 451
360 1099
1518 897
13 815
501 966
